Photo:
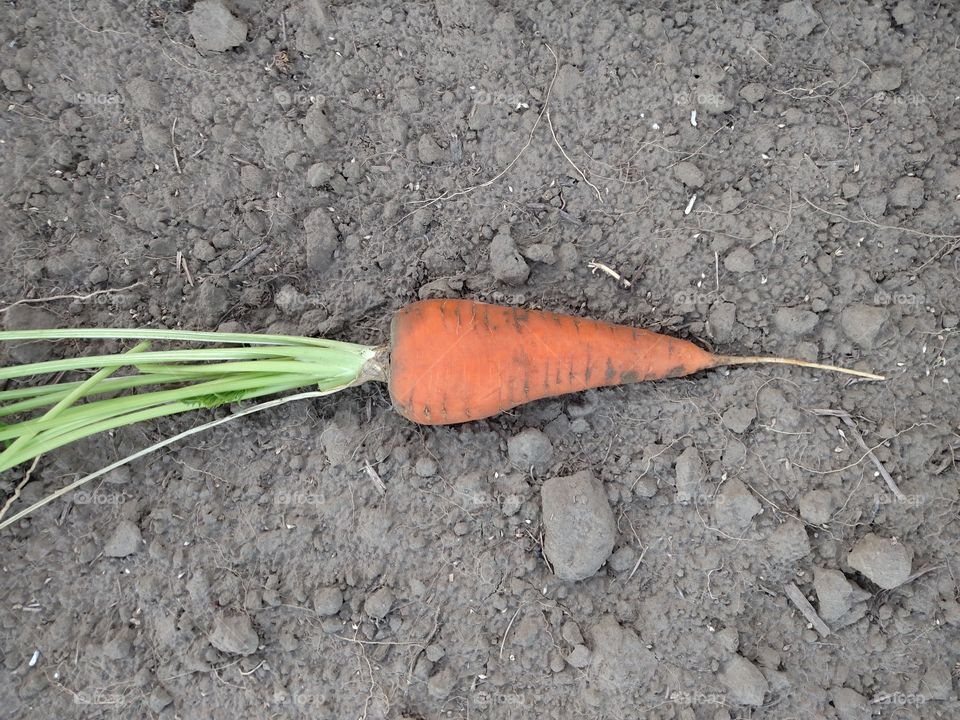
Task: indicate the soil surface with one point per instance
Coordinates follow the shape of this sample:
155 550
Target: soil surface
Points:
763 177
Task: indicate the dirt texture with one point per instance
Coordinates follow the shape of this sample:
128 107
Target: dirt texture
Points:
764 177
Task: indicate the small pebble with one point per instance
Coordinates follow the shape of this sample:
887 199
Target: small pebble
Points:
125 540
530 447
864 324
426 467
506 263
327 601
738 418
579 657
885 79
689 174
907 193
740 260
579 526
795 321
836 595
816 507
214 27
743 679
234 634
378 603
799 17
789 542
884 561
734 507
11 80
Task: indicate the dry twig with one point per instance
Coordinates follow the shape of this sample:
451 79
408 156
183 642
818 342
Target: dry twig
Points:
804 606
848 421
594 266
173 143
81 298
564 152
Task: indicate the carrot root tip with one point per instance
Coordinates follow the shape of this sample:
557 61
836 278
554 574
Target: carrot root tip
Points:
721 360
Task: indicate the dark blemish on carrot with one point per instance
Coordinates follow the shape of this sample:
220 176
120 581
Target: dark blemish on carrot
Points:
678 371
630 376
441 311
576 324
633 333
426 411
610 372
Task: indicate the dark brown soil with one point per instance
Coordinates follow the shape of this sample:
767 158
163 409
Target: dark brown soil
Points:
303 168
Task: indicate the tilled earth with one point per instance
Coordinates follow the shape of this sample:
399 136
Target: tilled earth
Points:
762 177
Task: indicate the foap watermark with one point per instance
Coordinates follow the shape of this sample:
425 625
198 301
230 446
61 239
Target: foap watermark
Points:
496 97
288 98
693 297
88 98
699 499
305 699
486 700
899 698
99 299
291 499
296 302
907 99
884 297
697 98
695 697
98 697
906 500
98 497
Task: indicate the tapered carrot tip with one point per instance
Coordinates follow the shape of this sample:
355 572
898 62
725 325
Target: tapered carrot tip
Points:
722 360
457 360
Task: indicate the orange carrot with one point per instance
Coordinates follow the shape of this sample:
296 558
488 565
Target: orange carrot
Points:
457 360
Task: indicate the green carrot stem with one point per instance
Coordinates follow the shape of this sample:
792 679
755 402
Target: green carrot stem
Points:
51 440
176 335
61 407
201 394
177 356
50 394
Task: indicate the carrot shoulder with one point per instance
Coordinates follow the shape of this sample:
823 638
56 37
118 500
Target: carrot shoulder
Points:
453 361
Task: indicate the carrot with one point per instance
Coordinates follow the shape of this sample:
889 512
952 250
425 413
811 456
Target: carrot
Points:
449 361
452 361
